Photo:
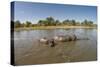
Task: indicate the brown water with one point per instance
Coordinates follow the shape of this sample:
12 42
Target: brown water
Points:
28 50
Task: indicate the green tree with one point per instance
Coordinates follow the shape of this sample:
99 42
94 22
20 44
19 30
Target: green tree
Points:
73 22
23 25
47 22
41 22
87 23
17 24
66 22
78 23
90 23
57 22
50 20
28 24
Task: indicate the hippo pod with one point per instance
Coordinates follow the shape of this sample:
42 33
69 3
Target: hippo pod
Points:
61 38
65 38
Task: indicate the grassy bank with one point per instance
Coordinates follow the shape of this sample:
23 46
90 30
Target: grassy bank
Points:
51 27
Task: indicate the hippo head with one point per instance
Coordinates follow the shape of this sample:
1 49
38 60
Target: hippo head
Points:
52 43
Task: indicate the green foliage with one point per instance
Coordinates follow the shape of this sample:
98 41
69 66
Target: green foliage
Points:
23 25
50 21
40 22
69 22
87 23
73 22
17 24
47 22
28 24
78 24
66 22
57 22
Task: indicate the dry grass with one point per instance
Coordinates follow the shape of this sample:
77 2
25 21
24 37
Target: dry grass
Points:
52 27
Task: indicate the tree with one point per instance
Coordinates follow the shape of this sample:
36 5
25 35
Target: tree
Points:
66 22
87 23
57 22
78 23
28 24
90 23
17 24
23 25
50 20
40 22
73 22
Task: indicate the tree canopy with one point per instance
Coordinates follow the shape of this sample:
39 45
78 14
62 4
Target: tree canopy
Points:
50 21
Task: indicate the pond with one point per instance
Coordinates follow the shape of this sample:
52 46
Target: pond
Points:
28 49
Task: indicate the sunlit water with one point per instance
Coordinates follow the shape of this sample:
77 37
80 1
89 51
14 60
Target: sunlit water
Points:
28 50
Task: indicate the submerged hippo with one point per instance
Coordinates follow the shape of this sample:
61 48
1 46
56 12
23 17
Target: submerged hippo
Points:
67 38
60 38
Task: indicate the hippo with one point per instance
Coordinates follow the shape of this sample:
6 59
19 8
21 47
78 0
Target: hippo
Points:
60 38
44 40
52 43
66 38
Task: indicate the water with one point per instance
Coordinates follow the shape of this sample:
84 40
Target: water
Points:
28 50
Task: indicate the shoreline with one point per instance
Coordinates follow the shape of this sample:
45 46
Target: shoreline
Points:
54 27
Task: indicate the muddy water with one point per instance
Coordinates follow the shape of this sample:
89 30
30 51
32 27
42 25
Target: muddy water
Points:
28 50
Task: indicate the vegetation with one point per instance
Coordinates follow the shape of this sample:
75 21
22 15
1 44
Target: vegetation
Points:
51 22
87 23
17 24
